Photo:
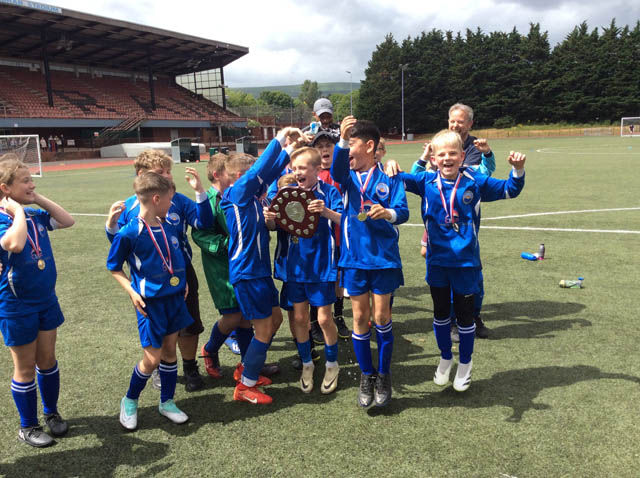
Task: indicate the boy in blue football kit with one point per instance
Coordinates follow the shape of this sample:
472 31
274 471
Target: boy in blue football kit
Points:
451 214
156 288
249 261
311 270
183 212
29 309
374 205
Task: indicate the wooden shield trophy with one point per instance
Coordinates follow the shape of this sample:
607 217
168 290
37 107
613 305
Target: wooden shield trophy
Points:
292 213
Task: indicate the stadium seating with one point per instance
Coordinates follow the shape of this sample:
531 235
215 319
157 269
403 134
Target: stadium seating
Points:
24 94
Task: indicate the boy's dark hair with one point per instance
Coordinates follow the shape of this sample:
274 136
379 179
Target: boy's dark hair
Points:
366 131
149 183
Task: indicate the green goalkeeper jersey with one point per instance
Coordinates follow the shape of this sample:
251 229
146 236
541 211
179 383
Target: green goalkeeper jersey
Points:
214 243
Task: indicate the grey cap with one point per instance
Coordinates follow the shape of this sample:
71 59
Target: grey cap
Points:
322 105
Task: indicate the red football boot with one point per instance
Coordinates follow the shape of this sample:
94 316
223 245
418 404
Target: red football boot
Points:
262 380
242 393
211 363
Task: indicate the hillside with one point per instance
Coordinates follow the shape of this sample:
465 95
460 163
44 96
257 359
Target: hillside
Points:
294 90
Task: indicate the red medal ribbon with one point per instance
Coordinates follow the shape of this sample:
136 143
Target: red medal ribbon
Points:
449 213
363 187
167 262
34 245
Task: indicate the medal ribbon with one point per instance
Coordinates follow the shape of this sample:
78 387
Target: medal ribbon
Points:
449 213
34 245
167 262
363 187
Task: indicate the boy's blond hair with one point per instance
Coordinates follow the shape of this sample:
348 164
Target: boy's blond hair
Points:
446 137
9 167
217 164
239 162
152 159
147 184
313 155
286 180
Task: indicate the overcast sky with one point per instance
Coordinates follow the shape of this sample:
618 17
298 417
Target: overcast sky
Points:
319 40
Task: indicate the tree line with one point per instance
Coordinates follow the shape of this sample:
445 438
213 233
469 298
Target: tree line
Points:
507 78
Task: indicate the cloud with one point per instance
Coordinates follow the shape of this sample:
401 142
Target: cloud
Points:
292 41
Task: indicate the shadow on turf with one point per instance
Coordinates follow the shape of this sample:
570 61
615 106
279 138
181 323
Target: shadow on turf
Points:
515 389
526 318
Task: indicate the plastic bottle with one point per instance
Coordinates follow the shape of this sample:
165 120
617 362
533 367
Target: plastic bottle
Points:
313 127
541 251
572 284
528 256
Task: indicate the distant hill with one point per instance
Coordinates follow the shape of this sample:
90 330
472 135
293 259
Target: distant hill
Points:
294 90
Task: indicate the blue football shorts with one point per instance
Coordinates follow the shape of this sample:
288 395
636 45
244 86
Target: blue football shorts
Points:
256 297
463 280
317 293
23 329
285 302
378 281
165 315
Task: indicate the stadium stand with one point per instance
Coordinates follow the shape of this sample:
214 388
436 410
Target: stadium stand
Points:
80 76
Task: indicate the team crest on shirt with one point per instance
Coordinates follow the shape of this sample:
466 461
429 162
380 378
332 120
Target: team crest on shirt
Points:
174 242
382 191
173 218
41 229
467 197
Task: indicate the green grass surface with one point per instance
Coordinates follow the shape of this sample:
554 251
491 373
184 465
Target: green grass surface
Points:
555 388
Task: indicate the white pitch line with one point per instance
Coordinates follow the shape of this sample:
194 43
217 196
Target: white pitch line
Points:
559 229
514 228
515 216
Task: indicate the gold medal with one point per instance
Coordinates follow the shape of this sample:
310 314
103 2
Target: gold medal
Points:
455 226
174 281
41 264
294 239
362 216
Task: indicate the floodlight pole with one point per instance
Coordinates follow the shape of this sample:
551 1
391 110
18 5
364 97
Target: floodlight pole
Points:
402 68
350 91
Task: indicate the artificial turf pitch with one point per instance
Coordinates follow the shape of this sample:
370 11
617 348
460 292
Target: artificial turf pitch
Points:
555 388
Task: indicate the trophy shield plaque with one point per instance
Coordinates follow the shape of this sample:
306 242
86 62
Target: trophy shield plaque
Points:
292 214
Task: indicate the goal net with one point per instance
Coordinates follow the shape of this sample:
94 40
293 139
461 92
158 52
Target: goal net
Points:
26 148
630 126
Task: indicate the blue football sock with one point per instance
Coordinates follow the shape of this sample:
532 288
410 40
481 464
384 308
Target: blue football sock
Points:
168 378
467 338
362 348
331 352
254 359
137 383
216 339
384 336
26 398
243 337
304 350
49 385
442 331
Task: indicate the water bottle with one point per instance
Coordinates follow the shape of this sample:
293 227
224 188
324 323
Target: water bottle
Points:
528 256
572 284
313 127
541 251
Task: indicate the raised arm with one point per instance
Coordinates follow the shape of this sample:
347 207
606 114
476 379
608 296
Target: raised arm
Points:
62 218
15 237
494 189
340 170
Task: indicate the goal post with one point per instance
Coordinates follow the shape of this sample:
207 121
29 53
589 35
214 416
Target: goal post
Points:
630 126
26 147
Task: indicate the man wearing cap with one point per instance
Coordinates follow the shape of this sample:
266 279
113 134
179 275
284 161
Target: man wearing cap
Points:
323 113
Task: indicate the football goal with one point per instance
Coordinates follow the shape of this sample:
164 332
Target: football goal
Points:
630 126
26 148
